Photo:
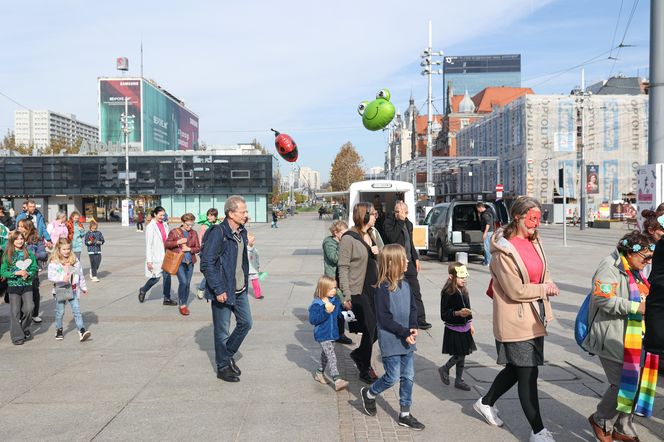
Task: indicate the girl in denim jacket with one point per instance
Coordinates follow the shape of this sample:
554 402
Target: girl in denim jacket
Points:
65 271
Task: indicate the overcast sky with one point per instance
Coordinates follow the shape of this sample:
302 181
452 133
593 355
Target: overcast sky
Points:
300 67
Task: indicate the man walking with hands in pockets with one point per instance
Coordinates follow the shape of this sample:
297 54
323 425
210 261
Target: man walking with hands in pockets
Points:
225 265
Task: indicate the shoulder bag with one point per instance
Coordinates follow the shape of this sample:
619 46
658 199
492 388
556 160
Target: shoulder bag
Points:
172 261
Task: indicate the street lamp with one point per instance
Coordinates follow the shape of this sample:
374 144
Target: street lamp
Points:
429 70
127 127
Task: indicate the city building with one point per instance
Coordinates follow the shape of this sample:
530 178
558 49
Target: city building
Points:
374 173
535 135
620 85
161 122
179 181
39 128
401 137
473 73
308 179
464 110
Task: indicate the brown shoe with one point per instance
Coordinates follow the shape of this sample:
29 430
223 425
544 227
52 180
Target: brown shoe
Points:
623 437
600 434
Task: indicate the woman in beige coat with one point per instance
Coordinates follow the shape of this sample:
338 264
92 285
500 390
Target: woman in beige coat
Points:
521 310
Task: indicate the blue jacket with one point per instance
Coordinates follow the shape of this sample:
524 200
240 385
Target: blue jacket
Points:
38 221
396 314
218 260
325 324
91 239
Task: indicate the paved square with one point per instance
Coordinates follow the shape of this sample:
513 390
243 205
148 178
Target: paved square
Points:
148 373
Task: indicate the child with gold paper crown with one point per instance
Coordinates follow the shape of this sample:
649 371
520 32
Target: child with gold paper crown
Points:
455 312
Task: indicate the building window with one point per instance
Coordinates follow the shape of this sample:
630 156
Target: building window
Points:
240 174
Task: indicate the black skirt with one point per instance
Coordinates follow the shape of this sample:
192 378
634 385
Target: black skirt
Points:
528 353
458 343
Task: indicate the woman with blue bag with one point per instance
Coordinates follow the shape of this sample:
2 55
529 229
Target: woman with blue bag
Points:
615 316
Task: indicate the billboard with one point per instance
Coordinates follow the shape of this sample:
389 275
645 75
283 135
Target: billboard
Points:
161 121
167 125
112 93
592 178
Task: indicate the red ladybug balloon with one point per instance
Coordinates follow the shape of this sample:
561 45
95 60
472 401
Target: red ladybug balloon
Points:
285 145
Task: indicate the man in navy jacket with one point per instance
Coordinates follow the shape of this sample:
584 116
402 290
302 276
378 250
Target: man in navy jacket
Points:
225 265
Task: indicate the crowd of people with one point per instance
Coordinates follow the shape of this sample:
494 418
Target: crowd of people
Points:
377 279
370 285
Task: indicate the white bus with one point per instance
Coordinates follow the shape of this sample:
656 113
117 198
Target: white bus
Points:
389 192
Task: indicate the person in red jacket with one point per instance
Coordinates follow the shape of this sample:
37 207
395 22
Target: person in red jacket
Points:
184 239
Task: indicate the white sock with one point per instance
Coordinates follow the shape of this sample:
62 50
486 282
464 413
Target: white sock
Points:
369 395
404 413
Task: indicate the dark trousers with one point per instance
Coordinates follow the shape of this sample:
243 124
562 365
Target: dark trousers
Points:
139 226
363 305
35 296
20 300
95 261
152 281
227 343
411 277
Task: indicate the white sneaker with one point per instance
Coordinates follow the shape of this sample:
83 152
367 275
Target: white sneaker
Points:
200 294
320 377
95 279
490 414
543 436
37 319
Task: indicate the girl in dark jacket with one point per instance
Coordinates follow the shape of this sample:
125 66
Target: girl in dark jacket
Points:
455 312
94 240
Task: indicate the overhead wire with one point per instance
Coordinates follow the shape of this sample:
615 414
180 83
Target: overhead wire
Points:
622 40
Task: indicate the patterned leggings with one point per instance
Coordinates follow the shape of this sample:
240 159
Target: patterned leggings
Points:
328 358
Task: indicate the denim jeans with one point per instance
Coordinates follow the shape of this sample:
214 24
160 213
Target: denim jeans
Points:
226 344
75 309
487 246
167 284
185 272
398 367
201 286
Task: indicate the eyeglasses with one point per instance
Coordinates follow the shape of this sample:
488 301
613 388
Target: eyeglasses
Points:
646 258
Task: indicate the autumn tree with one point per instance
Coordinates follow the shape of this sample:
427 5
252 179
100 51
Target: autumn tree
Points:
9 143
259 146
346 168
61 144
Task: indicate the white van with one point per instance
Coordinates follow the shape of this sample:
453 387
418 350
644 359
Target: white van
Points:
389 192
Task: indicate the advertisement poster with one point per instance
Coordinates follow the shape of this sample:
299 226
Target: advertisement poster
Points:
648 188
604 211
112 93
592 179
623 211
167 125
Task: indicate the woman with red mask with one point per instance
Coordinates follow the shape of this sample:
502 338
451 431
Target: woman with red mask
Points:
521 311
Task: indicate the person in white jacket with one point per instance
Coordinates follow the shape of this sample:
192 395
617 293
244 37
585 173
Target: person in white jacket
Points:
65 271
156 233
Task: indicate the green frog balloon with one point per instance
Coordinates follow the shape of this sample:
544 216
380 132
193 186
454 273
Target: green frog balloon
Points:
378 113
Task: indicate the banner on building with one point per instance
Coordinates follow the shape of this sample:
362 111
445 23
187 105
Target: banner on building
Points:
563 142
592 179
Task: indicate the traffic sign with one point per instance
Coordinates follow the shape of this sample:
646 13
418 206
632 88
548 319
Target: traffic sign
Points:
499 191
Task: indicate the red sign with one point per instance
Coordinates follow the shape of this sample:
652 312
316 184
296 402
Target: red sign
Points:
499 187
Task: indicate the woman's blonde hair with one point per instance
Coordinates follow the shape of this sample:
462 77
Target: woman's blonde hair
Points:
57 257
338 226
391 265
325 284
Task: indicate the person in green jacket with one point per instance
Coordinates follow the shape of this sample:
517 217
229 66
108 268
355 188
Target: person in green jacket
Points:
19 267
330 259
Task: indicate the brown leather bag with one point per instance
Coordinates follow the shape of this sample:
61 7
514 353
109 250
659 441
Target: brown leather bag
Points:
172 261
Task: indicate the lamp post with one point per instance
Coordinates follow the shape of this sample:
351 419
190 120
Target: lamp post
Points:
428 70
127 127
580 96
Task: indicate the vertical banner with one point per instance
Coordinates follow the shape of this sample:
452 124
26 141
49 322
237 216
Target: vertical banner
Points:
611 126
592 179
649 188
570 173
610 180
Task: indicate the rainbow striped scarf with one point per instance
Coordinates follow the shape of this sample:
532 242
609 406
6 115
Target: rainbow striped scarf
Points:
631 372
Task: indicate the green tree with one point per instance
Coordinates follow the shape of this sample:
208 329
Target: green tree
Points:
346 168
61 144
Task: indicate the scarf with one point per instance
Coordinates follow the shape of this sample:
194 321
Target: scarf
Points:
631 372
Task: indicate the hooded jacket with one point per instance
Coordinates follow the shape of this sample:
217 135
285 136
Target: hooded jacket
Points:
609 306
520 309
38 220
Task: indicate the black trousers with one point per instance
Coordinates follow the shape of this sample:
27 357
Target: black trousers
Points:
35 296
366 317
411 277
95 261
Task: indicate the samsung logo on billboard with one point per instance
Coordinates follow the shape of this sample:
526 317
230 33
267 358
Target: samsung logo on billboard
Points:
193 122
129 83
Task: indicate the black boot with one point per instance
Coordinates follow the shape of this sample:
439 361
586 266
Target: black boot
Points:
227 374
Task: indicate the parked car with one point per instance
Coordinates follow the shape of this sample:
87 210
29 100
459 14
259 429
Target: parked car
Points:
455 227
